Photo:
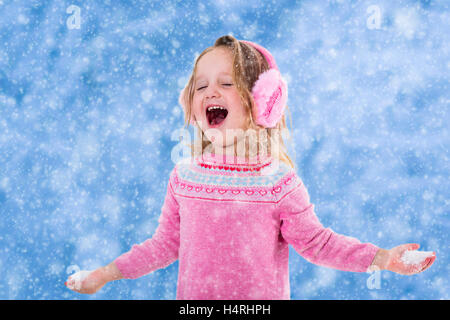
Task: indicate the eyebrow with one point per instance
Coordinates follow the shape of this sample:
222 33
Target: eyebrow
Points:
201 76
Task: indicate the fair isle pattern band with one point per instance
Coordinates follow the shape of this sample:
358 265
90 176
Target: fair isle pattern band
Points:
264 188
211 176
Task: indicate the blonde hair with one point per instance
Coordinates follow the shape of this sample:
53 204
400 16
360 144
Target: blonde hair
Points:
248 64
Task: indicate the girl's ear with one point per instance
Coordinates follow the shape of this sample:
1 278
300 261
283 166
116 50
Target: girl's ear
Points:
182 102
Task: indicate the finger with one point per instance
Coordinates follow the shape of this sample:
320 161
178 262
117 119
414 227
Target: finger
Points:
412 246
415 268
428 263
425 266
71 284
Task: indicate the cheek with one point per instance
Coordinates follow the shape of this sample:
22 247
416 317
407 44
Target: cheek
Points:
196 107
239 113
237 105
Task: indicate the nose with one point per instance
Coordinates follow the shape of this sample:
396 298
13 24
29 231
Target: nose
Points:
211 91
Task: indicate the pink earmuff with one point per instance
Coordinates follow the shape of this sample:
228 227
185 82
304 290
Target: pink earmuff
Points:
269 93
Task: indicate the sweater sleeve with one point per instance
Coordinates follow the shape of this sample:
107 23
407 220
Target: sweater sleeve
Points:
159 251
301 228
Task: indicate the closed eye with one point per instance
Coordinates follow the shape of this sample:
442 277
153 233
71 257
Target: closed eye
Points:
225 84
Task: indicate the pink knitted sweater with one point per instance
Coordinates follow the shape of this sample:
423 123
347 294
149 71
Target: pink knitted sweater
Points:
230 225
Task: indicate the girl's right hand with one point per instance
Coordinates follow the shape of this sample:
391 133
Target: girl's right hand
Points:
89 285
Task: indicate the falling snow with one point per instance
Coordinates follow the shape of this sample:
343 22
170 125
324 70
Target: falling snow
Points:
87 115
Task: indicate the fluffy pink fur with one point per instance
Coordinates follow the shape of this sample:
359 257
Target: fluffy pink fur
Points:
266 86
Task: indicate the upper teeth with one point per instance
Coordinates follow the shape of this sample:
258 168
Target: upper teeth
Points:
215 107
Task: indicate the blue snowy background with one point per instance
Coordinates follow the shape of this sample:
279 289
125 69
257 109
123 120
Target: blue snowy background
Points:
87 115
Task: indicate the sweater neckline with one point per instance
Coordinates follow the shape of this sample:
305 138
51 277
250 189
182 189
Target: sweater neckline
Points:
229 160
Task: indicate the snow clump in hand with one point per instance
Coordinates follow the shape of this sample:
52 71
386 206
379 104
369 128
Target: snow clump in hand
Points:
415 257
77 278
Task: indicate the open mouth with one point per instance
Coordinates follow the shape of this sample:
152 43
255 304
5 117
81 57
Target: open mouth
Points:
216 115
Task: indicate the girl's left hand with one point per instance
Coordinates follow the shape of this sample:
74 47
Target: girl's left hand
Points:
394 262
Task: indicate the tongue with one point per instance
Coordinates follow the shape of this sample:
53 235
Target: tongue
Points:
216 116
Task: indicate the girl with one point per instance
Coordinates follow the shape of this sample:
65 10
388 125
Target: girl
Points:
232 208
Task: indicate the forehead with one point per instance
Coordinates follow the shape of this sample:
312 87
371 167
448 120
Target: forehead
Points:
217 61
203 76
